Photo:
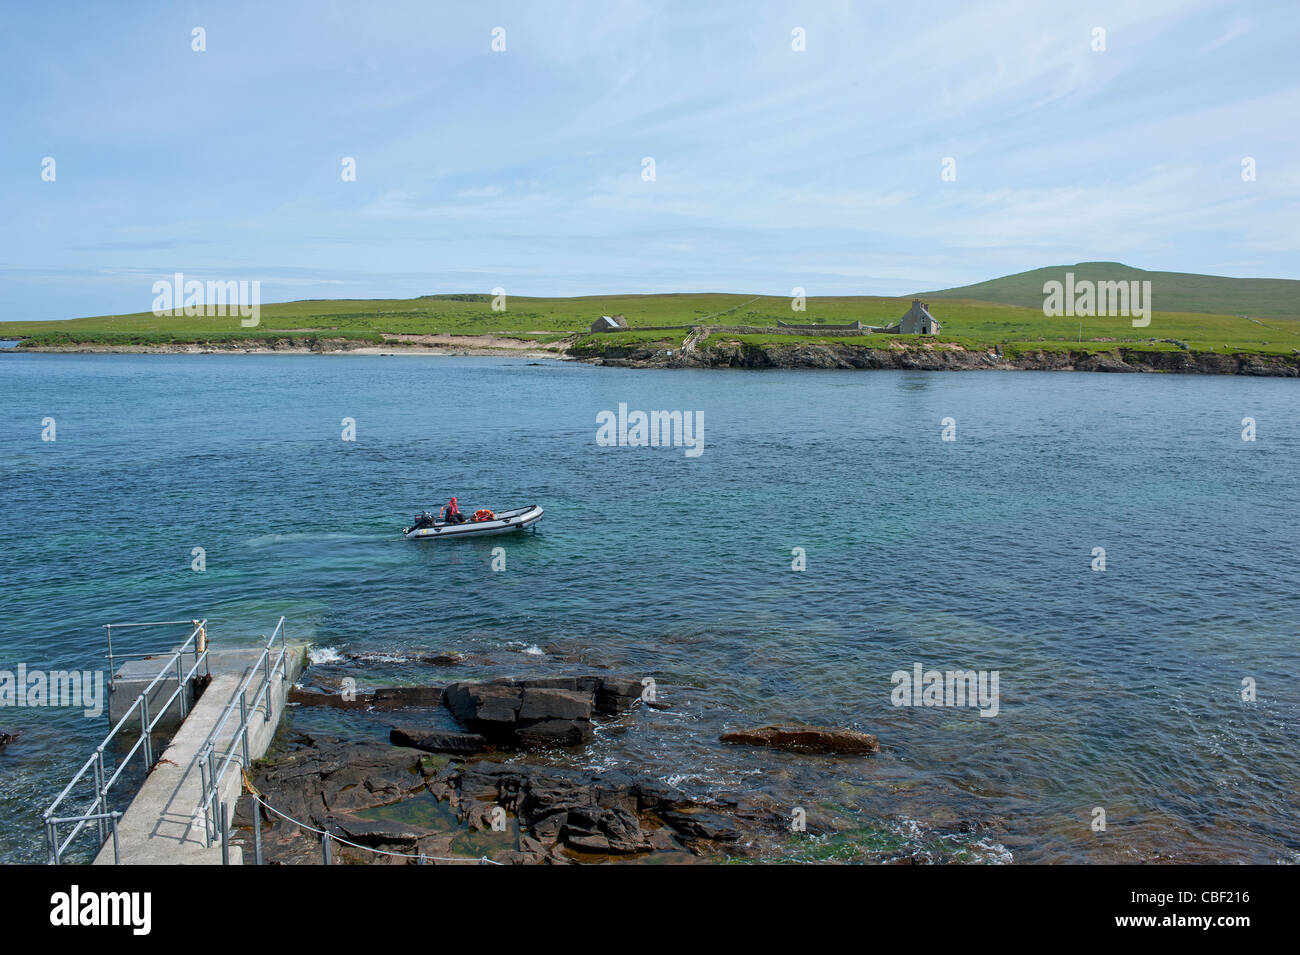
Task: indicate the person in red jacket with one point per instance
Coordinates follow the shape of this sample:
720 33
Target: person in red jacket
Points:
451 513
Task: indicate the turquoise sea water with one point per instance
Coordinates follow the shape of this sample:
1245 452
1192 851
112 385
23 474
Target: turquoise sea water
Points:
1119 690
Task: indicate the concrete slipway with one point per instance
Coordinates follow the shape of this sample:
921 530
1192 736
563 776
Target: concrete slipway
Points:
160 827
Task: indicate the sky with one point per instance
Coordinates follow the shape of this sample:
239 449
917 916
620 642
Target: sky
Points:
820 168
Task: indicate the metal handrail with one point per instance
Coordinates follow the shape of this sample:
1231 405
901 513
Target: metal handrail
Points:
212 776
98 809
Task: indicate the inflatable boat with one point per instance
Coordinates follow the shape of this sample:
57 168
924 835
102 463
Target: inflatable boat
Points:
482 525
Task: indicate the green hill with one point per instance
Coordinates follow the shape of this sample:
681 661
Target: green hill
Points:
967 320
1170 291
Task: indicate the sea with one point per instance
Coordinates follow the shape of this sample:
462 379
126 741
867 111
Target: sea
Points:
1116 554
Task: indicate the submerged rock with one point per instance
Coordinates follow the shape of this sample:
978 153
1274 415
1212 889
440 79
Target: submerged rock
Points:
383 698
7 738
437 741
449 659
798 737
400 697
373 832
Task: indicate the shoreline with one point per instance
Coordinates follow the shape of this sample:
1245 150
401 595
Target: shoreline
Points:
947 356
929 356
499 769
499 347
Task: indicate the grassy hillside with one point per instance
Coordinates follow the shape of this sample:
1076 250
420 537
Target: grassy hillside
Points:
967 322
1170 291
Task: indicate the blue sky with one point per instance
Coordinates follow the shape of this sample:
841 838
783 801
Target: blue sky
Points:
523 169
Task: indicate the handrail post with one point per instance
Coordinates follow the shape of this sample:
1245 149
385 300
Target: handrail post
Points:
101 803
113 817
51 841
210 796
257 829
243 723
203 788
109 628
144 731
266 714
325 847
225 836
180 684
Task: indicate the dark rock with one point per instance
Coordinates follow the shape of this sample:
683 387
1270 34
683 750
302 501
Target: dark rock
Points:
437 741
398 697
554 732
551 711
373 832
603 830
587 842
487 708
358 701
373 776
430 765
384 698
696 823
616 694
806 739
7 738
444 659
554 704
562 815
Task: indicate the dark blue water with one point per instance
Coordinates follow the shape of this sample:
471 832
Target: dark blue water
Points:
1119 690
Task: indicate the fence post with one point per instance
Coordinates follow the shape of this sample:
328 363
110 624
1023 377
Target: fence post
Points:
268 686
112 820
208 782
52 842
144 731
243 723
225 836
325 847
101 801
257 829
180 683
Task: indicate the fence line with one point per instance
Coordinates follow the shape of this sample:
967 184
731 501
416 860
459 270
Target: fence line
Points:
98 810
327 837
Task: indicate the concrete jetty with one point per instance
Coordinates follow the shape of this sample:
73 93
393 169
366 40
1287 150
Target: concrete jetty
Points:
160 827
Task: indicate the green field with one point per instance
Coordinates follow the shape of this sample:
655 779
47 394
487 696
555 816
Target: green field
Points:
966 321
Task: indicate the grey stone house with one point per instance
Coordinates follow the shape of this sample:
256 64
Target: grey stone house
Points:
609 323
918 320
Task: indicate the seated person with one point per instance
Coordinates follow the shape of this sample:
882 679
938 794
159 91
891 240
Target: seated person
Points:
452 514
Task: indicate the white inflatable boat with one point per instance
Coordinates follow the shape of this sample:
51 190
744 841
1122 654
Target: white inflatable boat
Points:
521 518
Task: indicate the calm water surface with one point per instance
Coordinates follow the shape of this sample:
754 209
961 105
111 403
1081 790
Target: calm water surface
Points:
1119 690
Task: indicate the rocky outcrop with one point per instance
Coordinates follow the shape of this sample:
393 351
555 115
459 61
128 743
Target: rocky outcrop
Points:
929 356
800 738
545 814
553 711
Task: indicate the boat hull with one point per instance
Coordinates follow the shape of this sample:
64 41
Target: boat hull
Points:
507 522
